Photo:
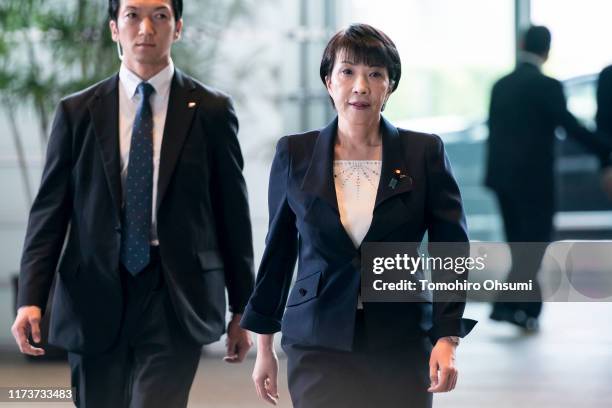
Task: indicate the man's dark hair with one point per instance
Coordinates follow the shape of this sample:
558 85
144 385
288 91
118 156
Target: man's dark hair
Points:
537 40
113 9
363 44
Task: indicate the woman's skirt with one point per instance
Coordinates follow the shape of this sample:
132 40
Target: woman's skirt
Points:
365 377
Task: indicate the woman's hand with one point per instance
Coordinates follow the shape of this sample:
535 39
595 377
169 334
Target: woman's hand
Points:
442 370
265 371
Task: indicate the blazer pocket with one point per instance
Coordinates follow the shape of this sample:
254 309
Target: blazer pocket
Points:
304 289
210 260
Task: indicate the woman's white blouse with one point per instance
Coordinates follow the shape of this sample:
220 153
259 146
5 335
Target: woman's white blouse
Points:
356 184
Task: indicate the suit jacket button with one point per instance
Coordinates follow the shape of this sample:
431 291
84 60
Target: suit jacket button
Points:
303 292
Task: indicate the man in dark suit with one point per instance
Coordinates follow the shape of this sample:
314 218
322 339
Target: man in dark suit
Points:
526 108
603 118
143 180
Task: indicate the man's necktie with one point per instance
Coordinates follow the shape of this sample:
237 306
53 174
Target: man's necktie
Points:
139 187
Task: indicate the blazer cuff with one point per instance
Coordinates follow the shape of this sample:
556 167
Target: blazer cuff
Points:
259 323
456 327
32 299
237 308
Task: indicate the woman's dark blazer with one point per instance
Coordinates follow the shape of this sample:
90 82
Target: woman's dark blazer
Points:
304 222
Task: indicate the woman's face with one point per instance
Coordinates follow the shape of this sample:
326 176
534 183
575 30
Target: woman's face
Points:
359 91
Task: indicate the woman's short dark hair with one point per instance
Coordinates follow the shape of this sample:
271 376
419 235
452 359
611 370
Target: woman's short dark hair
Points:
113 9
363 44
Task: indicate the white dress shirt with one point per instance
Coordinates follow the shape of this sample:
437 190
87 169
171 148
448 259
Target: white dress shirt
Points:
128 105
531 58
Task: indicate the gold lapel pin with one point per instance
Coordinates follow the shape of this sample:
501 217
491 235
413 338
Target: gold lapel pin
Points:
397 177
394 179
191 104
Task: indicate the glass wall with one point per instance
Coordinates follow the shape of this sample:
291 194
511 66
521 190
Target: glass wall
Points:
581 33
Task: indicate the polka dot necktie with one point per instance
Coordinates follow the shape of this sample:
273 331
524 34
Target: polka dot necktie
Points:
136 225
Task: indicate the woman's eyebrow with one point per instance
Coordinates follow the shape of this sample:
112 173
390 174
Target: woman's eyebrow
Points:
372 65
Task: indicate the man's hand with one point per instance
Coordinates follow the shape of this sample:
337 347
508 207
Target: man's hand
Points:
238 341
27 322
442 371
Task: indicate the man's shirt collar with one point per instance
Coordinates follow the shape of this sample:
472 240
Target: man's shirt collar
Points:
160 82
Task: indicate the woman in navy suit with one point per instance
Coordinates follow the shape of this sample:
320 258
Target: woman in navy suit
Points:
358 180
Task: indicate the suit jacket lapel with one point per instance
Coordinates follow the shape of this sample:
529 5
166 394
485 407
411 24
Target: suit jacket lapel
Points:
319 181
104 110
394 178
319 178
182 105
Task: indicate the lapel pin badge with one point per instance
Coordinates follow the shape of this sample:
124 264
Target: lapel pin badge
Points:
397 177
191 104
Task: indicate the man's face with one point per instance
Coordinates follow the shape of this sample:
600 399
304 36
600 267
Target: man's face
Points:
146 30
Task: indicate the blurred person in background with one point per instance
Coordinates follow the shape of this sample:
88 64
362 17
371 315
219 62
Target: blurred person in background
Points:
603 119
525 109
143 179
360 179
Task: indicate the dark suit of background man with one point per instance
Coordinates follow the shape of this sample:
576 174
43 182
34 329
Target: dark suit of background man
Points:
144 176
526 108
603 119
